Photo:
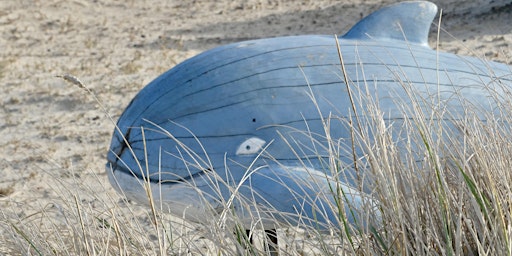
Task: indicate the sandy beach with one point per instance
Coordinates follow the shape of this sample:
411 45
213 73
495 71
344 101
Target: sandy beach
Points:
56 135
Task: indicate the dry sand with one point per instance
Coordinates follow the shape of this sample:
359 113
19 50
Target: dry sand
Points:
54 133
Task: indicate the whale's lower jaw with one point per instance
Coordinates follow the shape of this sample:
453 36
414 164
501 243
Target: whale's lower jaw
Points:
197 201
184 200
178 199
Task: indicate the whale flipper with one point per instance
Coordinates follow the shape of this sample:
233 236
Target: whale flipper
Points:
409 21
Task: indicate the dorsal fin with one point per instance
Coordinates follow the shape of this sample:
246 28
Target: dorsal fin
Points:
410 19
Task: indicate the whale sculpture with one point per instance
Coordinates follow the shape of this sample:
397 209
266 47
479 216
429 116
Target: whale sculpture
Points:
245 127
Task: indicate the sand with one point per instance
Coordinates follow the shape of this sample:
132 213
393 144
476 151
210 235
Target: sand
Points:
56 135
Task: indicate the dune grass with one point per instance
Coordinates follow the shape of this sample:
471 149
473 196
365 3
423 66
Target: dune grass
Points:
439 190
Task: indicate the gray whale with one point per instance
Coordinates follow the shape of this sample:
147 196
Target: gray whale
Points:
245 127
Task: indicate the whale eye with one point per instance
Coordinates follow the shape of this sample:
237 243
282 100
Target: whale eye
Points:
250 146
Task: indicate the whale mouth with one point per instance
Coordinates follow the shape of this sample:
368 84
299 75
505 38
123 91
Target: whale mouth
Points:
134 161
115 165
